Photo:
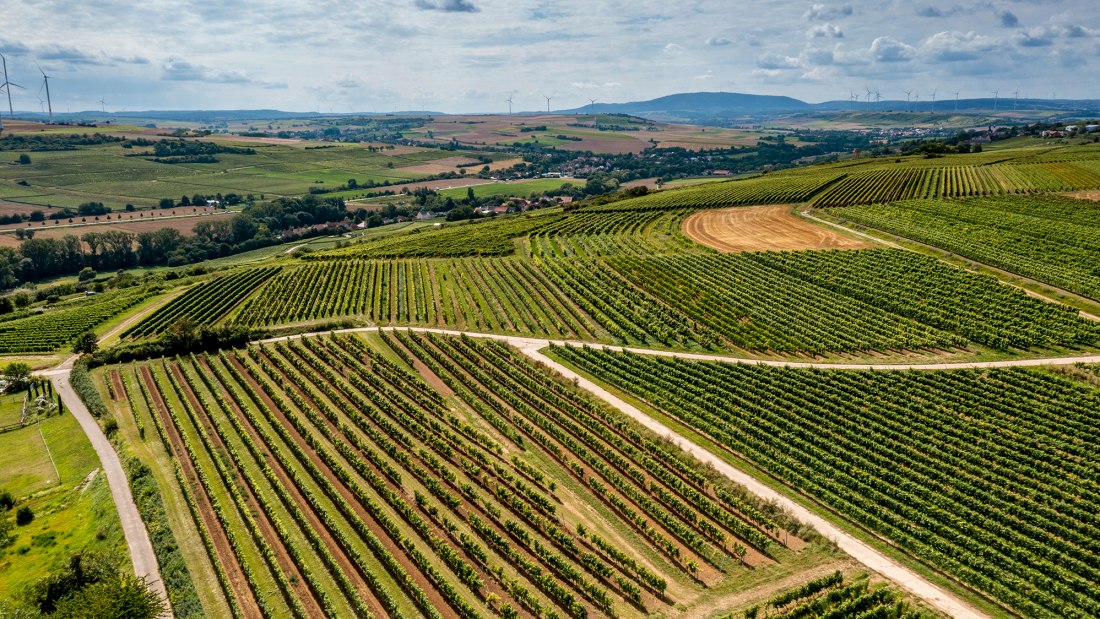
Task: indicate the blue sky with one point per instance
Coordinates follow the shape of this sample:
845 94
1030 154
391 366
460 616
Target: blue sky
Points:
469 55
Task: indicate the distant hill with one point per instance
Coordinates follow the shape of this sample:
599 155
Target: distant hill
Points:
696 106
724 107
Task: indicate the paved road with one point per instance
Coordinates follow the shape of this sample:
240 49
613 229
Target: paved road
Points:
133 528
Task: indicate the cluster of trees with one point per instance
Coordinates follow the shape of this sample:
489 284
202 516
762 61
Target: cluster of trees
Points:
53 141
92 586
258 225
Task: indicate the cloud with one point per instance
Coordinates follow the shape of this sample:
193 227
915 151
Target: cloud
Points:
821 12
1029 40
179 70
777 61
826 31
953 46
672 49
889 49
451 6
1008 19
718 41
933 11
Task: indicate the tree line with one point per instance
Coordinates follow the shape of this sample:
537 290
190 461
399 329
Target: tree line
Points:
258 225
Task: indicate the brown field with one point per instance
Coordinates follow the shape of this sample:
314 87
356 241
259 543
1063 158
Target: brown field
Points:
112 218
184 224
503 129
763 228
11 208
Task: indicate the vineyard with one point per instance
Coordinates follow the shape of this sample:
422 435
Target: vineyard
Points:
987 475
326 478
205 303
830 596
1049 238
56 328
483 294
907 182
476 238
933 293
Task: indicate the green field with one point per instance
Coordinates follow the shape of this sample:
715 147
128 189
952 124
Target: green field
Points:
520 189
105 174
71 514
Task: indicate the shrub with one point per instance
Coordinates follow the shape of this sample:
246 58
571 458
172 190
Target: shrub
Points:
24 516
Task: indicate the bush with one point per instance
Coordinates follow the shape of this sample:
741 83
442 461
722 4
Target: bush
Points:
85 389
24 159
24 516
173 571
7 501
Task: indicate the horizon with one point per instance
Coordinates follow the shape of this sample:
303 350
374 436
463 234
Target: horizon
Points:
470 56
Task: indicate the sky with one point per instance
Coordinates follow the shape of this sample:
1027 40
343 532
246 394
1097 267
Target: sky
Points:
472 55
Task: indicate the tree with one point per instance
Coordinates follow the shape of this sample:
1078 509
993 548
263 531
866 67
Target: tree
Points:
24 159
18 376
87 273
86 343
167 203
127 597
24 516
93 585
7 501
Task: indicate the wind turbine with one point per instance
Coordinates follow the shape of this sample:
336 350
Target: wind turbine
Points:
46 84
852 98
103 105
956 101
548 102
7 85
591 105
995 95
878 99
933 101
868 94
509 99
1015 99
907 93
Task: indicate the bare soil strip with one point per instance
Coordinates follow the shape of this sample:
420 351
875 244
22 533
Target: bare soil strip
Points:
763 228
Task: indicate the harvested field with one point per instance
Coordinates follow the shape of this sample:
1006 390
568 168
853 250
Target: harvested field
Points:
763 228
183 223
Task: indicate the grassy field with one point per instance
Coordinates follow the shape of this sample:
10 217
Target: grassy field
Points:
520 189
106 174
71 514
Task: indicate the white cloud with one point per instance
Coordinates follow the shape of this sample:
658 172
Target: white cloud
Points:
672 49
889 49
777 61
824 12
828 31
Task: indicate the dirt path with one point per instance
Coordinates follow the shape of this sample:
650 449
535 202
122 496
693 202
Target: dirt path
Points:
763 228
